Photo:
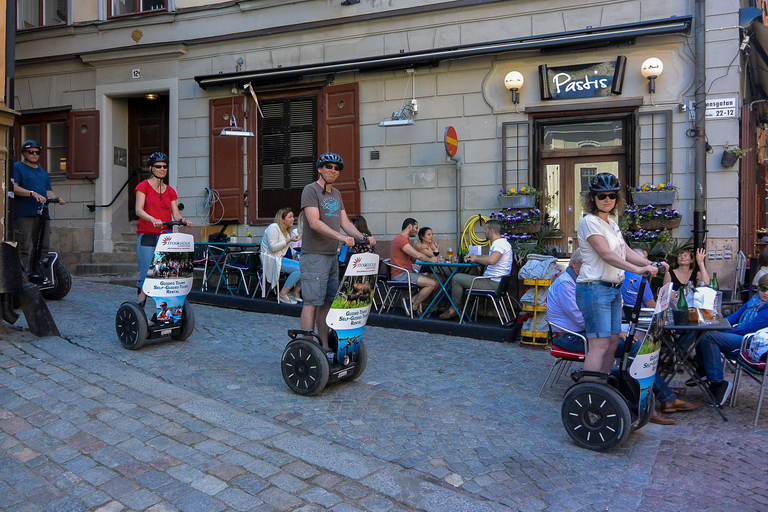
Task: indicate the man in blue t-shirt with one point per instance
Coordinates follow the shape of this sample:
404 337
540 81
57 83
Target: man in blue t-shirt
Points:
631 286
31 189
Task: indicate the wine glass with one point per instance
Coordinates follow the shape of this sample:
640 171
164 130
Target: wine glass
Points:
449 252
436 250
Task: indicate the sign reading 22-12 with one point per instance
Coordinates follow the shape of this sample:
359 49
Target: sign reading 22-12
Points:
582 81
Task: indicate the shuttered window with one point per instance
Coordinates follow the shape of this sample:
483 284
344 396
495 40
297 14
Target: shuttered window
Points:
287 150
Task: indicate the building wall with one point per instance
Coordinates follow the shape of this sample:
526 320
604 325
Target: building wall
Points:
412 177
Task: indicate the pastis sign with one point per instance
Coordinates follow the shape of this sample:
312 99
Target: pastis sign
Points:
583 80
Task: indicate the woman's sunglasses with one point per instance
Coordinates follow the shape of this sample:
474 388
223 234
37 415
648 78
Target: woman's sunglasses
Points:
763 288
603 197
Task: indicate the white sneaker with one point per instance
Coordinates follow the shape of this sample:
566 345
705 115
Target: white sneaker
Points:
286 299
296 297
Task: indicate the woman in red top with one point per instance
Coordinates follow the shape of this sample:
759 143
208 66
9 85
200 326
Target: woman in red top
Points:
156 203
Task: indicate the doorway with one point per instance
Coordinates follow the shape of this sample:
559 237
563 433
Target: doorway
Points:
147 134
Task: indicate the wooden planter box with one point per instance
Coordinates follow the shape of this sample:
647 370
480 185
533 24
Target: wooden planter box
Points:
522 228
660 224
517 201
664 197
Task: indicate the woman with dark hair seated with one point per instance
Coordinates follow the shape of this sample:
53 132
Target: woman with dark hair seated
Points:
427 245
750 318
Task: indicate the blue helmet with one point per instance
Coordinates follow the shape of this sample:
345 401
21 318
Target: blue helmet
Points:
604 182
330 158
158 157
30 144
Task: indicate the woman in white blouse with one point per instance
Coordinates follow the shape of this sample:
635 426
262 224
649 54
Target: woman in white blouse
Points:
274 245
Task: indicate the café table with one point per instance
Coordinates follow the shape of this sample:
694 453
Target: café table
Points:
217 255
680 341
443 272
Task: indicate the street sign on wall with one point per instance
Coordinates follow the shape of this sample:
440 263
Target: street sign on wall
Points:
451 141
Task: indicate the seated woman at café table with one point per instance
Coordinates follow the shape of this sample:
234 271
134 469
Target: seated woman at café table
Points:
750 318
687 268
362 226
274 246
426 244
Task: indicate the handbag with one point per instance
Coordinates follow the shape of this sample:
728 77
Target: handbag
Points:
758 347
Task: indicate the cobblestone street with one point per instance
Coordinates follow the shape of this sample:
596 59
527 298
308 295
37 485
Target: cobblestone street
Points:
435 423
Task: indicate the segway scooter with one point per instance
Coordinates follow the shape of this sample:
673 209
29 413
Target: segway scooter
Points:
600 414
306 367
168 282
49 274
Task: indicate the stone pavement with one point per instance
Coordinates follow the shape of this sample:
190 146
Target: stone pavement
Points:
435 423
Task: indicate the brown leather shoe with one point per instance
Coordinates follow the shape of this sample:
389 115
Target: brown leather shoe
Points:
679 405
451 313
661 419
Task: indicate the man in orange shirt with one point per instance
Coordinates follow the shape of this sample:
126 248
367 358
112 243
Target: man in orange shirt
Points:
403 254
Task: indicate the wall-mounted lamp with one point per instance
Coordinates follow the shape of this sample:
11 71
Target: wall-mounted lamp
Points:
651 69
514 82
151 96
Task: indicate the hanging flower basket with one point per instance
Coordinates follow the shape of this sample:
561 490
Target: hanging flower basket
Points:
517 201
522 228
661 197
654 224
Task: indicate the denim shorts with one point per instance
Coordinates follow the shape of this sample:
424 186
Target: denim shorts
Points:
319 278
601 308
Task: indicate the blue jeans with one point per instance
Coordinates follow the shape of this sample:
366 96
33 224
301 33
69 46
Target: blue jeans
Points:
145 255
708 352
601 308
291 267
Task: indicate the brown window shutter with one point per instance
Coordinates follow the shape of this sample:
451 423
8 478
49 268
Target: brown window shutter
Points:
340 133
226 167
83 151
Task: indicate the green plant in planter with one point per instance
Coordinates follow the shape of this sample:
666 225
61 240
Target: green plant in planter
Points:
537 243
524 191
736 150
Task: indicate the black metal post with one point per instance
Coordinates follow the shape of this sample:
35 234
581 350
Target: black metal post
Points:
700 151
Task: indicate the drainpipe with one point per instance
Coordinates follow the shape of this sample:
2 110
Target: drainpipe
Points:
700 151
10 71
457 161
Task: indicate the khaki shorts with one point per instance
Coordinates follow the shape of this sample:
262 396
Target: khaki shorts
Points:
319 278
404 276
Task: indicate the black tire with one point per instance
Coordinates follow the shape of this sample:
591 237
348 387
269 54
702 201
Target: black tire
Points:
648 412
305 367
187 323
360 364
63 283
131 325
596 416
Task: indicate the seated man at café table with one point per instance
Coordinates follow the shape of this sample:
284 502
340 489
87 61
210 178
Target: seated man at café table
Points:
498 261
563 312
631 286
403 255
750 318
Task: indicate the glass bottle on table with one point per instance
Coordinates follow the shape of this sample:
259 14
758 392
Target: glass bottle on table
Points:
682 302
713 282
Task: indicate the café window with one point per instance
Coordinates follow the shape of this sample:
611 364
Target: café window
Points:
129 7
51 133
40 13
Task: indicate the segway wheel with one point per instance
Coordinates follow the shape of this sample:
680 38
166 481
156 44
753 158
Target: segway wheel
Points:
305 367
63 281
361 363
648 412
131 325
187 323
596 416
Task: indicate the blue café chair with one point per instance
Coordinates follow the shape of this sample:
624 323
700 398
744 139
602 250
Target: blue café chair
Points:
755 371
396 289
563 358
498 296
235 264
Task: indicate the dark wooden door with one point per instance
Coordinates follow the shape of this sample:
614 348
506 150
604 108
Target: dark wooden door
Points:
340 133
226 161
147 133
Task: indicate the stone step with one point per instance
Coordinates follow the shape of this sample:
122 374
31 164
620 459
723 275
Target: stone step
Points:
129 237
115 257
124 247
98 269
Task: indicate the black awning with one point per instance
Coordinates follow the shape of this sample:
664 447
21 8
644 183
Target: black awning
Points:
562 40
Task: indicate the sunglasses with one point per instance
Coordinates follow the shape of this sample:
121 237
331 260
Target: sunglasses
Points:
331 167
603 197
160 166
763 288
33 152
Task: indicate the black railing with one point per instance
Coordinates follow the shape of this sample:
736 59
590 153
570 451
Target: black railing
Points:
93 207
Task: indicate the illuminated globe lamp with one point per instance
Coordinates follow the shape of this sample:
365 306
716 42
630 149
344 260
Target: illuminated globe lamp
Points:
651 69
514 81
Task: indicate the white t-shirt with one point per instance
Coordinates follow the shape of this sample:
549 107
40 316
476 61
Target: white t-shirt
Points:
593 268
503 267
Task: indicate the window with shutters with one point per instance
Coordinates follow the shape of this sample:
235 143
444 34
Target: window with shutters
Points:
51 132
287 152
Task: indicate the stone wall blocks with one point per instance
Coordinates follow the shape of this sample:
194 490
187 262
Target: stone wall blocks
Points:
371 135
387 201
420 132
625 12
410 178
488 150
193 147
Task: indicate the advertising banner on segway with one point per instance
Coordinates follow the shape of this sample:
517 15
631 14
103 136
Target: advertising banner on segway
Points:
169 278
643 368
349 311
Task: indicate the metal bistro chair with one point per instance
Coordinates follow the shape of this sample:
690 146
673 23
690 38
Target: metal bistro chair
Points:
235 264
563 358
498 296
755 371
254 271
395 289
215 257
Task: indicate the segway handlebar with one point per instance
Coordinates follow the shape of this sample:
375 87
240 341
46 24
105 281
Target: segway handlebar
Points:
172 223
363 242
661 270
52 200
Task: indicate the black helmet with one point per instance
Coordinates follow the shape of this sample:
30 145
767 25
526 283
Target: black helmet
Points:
158 157
330 158
30 144
604 182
